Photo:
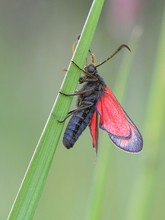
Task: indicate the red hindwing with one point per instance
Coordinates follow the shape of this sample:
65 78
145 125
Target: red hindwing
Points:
116 122
94 129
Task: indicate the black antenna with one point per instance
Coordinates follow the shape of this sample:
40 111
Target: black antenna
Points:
122 46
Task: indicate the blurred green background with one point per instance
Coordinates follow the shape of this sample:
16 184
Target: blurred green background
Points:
35 47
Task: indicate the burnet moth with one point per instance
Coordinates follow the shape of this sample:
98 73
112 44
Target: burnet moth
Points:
97 102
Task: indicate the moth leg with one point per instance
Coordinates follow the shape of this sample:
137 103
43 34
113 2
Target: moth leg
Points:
83 91
65 94
80 108
80 92
84 79
68 115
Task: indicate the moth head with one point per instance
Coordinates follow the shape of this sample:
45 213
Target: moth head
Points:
91 68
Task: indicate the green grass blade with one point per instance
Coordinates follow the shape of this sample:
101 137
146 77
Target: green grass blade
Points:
32 185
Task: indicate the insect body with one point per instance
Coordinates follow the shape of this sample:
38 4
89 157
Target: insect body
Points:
96 99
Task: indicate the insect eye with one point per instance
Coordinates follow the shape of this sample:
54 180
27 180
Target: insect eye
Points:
91 69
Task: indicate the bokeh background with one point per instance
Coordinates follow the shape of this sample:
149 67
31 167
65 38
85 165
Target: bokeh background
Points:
35 46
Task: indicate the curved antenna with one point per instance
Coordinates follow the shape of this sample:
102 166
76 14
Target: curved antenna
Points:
75 43
122 46
74 46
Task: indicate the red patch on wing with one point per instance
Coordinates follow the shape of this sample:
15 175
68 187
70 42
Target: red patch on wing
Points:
116 122
94 129
112 116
